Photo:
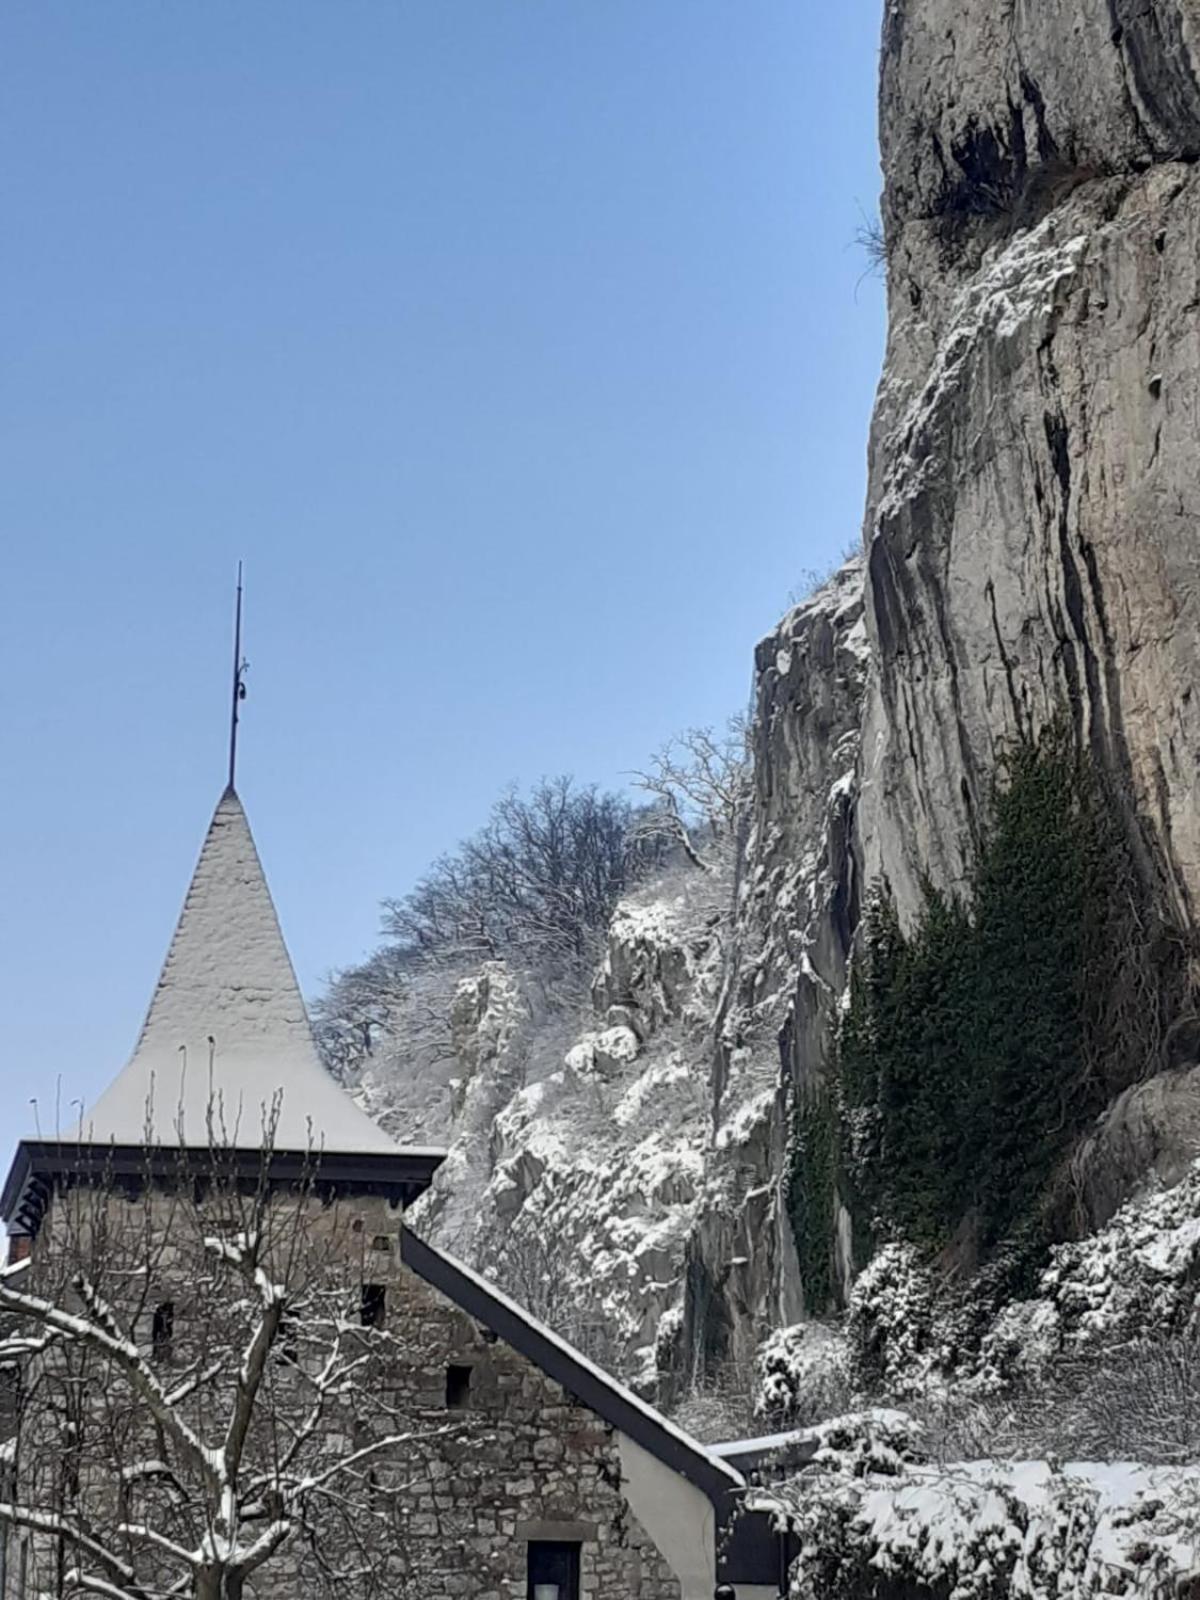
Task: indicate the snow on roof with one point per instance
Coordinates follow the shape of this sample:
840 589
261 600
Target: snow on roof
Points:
227 1028
731 1448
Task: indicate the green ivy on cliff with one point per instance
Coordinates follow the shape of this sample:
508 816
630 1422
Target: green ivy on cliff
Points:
978 1043
812 1181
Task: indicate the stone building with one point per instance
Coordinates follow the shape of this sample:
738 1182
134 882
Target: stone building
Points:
535 1475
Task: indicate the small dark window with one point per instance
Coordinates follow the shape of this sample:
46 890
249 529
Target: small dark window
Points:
374 1303
553 1571
10 1394
381 1242
458 1387
162 1331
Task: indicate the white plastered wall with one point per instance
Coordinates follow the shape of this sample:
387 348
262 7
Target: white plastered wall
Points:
677 1516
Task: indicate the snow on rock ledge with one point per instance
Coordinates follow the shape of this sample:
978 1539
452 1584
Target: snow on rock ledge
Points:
1137 1278
595 1149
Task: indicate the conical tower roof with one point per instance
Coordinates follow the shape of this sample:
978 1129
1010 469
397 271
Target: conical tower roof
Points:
227 1035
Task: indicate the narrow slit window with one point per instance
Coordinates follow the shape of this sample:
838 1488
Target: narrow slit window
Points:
10 1394
162 1331
374 1305
458 1387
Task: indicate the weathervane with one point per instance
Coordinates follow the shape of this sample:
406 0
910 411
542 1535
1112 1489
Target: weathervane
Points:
240 665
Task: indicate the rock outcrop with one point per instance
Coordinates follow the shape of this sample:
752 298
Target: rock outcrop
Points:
795 911
576 1162
1035 491
1031 551
1032 532
626 1177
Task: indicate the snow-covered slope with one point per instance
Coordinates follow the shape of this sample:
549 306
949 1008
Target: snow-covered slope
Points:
617 1165
579 1184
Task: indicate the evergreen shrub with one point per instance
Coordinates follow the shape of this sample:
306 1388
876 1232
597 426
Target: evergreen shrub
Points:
979 1042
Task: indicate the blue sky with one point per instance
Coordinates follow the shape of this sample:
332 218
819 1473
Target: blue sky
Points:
521 349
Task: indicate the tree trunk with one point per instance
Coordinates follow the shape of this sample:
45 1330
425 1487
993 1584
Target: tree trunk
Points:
217 1583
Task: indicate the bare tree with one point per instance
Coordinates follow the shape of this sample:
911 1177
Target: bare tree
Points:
718 1407
205 1389
1136 1402
393 996
699 784
530 1269
534 885
535 889
360 1006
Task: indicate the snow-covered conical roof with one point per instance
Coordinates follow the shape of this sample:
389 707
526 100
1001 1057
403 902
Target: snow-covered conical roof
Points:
227 1028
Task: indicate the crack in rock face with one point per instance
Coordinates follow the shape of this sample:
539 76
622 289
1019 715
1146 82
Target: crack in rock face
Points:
1034 497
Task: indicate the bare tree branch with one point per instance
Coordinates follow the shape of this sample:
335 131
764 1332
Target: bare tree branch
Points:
176 1454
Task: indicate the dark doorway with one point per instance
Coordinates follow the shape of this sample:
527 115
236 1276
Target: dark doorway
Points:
553 1571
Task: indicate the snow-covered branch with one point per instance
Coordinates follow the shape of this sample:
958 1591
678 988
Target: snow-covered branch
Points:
192 1404
85 1542
102 1333
391 1442
91 1583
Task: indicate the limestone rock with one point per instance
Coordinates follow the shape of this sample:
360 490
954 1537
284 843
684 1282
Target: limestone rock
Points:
1035 491
1150 1133
1031 542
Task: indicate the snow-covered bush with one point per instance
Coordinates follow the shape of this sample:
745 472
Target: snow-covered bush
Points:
872 1516
876 1443
1133 1284
1137 1279
892 1323
803 1376
968 1499
1138 1275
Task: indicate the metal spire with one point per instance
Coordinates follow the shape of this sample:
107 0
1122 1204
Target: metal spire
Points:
239 679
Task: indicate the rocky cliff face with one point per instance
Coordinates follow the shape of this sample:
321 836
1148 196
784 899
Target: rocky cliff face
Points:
1035 491
624 1180
1033 523
1032 530
1032 550
795 912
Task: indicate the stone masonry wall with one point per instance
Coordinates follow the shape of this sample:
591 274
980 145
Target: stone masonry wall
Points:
527 1461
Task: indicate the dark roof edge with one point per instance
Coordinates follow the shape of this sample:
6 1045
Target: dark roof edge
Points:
601 1393
52 1158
